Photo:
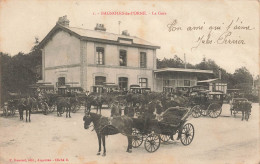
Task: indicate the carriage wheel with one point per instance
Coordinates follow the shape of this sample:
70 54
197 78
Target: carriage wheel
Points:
152 142
45 108
187 134
75 108
4 111
214 110
63 109
137 138
34 108
164 138
203 110
196 112
53 107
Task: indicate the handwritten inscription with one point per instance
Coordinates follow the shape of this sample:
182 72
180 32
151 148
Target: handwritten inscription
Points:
215 34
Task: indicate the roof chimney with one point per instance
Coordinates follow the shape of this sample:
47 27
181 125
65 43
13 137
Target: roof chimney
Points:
100 27
125 32
63 21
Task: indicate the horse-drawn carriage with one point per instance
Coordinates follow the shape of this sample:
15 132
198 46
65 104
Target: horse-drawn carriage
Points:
39 94
137 89
240 105
206 103
10 106
157 131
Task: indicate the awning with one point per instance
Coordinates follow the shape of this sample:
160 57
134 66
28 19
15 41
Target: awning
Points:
183 70
208 81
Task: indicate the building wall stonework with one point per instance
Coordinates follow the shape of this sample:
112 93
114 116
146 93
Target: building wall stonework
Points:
67 56
112 75
71 74
62 49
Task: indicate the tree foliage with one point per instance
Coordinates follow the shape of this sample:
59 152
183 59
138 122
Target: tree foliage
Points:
241 79
18 71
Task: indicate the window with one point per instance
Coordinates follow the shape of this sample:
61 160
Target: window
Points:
180 83
186 82
143 82
122 58
100 80
100 56
143 60
123 83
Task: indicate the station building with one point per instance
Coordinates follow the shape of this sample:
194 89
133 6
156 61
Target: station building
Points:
87 59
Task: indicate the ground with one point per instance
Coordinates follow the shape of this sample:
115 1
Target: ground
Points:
221 140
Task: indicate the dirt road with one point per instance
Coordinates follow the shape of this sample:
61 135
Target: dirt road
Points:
52 139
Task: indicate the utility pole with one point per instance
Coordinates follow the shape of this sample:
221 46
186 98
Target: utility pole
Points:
119 27
184 61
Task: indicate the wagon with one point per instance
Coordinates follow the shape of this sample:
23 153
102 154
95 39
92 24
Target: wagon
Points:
9 107
137 89
67 91
240 105
161 131
206 103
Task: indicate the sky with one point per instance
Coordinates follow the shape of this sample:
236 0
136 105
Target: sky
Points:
224 31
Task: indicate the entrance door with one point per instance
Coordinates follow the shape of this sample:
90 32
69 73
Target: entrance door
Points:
61 81
123 83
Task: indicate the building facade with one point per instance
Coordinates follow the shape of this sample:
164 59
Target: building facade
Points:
172 78
89 58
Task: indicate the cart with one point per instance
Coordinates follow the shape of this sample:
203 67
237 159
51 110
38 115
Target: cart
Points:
240 105
206 103
10 106
161 131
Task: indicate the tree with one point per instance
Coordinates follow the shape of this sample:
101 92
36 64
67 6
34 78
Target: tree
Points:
5 64
19 71
243 79
175 62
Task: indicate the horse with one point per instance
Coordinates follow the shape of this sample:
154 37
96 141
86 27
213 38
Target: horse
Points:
243 106
25 104
129 110
65 104
94 100
61 103
135 99
109 126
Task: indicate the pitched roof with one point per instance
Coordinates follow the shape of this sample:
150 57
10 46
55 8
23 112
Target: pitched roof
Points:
100 36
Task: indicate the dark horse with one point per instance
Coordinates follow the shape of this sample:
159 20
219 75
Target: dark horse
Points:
94 100
25 104
109 126
65 103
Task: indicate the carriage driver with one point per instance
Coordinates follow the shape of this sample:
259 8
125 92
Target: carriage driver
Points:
147 115
87 93
115 110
